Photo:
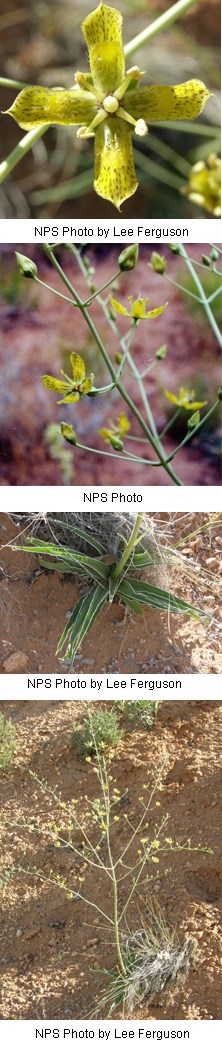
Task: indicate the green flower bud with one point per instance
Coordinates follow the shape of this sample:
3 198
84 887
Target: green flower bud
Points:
158 262
68 433
206 261
219 393
175 248
26 266
116 443
193 421
118 358
214 255
128 258
161 353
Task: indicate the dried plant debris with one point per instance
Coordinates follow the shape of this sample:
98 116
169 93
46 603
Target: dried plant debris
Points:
113 530
154 968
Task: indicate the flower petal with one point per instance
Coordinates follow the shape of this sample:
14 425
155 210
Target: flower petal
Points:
182 102
54 384
86 386
156 312
118 307
103 34
78 367
123 423
70 398
40 105
171 397
115 177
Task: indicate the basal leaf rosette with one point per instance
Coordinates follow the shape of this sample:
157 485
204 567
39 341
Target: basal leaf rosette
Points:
109 104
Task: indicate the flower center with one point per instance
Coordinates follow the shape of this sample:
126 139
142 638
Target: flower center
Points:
110 104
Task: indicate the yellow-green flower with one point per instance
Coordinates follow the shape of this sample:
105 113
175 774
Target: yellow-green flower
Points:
74 387
204 185
138 309
115 434
108 105
184 399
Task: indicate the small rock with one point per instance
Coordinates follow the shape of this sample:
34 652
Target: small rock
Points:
19 933
17 663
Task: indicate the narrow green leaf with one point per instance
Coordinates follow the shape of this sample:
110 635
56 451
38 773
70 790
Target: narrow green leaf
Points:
157 598
82 619
141 560
93 566
61 566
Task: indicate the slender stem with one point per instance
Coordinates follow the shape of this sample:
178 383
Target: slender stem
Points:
214 294
129 458
4 82
216 247
163 22
106 285
54 290
115 896
170 423
205 303
117 570
20 150
181 288
109 365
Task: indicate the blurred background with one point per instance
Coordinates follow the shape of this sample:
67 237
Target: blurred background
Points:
42 42
40 331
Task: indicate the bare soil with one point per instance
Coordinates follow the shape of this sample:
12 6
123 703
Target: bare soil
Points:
35 606
52 946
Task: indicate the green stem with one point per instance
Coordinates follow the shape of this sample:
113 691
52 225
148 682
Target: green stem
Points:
181 288
163 22
202 295
4 82
104 286
118 569
170 423
214 295
20 150
110 367
128 457
106 795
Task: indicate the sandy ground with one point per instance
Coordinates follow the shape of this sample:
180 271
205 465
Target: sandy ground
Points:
52 946
34 608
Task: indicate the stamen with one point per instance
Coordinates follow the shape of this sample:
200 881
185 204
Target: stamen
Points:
132 74
126 116
88 132
81 80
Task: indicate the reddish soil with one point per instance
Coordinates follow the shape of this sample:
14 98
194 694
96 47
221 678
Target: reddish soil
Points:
40 330
34 608
52 946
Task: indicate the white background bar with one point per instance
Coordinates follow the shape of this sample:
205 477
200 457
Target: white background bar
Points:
110 231
110 686
198 1034
130 499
